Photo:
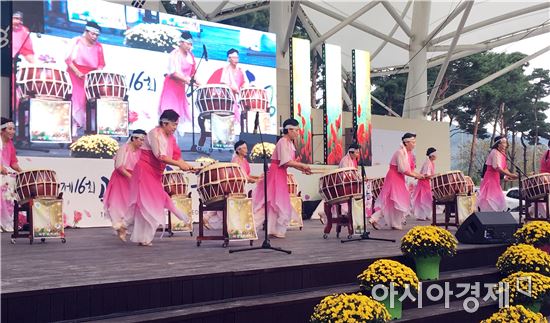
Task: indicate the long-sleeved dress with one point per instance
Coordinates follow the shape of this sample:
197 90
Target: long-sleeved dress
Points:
423 197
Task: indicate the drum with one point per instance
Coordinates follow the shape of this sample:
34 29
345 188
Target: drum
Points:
220 180
215 98
469 185
36 183
292 184
536 186
44 82
446 186
175 183
376 187
340 184
254 99
105 85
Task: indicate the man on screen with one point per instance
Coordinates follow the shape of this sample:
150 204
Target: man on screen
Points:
85 55
233 76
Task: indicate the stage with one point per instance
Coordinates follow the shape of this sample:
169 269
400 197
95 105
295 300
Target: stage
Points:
96 275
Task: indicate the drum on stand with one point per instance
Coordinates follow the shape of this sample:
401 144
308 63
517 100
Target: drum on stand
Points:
536 186
447 186
101 84
340 185
254 99
215 98
217 181
45 82
175 183
39 183
376 187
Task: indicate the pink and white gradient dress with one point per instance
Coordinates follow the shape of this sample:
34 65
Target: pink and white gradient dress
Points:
422 198
7 186
117 196
394 202
279 209
243 162
234 78
147 196
22 45
86 59
545 162
491 198
174 91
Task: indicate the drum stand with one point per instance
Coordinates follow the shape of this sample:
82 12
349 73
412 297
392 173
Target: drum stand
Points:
340 219
366 234
27 208
266 244
170 232
451 211
23 138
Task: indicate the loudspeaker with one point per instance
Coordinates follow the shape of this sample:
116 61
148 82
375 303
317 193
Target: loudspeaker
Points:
487 227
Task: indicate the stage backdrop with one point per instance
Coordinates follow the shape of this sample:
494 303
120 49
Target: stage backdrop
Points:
333 125
300 96
362 102
137 43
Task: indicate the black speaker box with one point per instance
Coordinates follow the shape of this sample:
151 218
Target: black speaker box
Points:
487 227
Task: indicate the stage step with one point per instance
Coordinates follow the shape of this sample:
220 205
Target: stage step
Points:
292 306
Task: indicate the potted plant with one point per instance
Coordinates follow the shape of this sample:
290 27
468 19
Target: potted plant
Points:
387 272
426 245
514 314
526 288
535 233
349 308
524 257
94 146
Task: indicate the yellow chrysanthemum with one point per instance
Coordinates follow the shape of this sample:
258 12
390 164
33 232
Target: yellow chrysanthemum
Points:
523 257
384 272
428 241
349 308
514 314
535 233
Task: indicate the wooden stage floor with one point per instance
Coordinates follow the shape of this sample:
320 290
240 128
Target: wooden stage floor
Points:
96 256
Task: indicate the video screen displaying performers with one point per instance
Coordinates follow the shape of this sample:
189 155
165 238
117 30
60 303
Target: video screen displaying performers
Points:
300 96
362 103
333 126
143 61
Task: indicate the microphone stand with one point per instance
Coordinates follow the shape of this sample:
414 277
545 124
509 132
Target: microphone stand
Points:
366 234
520 188
266 244
192 85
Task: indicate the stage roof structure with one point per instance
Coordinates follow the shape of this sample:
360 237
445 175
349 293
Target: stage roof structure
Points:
402 36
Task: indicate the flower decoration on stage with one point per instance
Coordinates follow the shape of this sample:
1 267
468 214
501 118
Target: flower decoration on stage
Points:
536 233
524 287
524 257
205 161
425 241
257 151
94 146
157 37
385 272
514 314
349 308
334 142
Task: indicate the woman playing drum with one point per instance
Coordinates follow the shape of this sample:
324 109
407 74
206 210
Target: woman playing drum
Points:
278 198
9 160
85 55
117 195
181 68
147 196
422 198
394 201
491 198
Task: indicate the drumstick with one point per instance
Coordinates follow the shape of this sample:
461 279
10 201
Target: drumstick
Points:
318 171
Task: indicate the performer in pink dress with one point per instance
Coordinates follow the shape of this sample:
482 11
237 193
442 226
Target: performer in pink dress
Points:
279 209
233 76
394 202
147 196
117 196
21 45
350 159
85 55
491 198
545 162
9 160
423 198
181 68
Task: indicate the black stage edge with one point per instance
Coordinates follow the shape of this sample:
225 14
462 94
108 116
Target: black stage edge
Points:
94 276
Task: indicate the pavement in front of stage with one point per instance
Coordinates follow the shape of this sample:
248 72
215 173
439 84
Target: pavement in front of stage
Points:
96 255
